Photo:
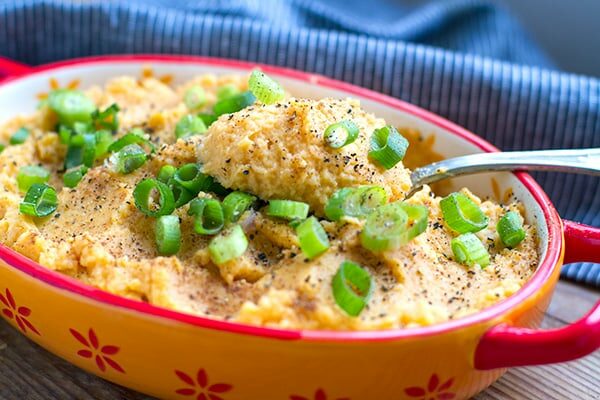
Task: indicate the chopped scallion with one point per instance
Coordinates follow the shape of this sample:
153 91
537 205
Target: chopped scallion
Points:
30 174
194 98
510 229
264 88
190 177
168 235
352 287
128 159
71 106
288 209
234 103
235 204
461 213
72 177
355 202
153 198
388 147
165 173
228 246
208 216
341 134
40 201
189 125
312 237
469 250
20 136
107 119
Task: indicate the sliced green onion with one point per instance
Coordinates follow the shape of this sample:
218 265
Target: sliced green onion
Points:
165 173
2 147
181 195
352 288
189 125
341 134
355 202
388 147
191 178
227 91
208 213
64 134
288 209
208 119
228 246
234 103
312 237
194 98
510 229
153 198
235 204
71 106
469 250
40 201
384 228
72 177
20 136
167 235
81 150
30 174
106 119
104 139
462 214
417 221
136 136
81 128
128 159
265 89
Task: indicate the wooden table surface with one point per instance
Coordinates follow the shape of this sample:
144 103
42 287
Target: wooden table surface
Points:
29 372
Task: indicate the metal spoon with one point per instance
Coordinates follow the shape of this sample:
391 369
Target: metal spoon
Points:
584 161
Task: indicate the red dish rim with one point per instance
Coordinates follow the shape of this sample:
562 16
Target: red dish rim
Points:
67 283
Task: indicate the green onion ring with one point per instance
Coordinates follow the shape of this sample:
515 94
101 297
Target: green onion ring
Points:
208 213
312 237
352 288
341 134
469 250
228 246
235 204
388 147
167 234
40 200
510 229
384 228
355 202
30 174
461 213
143 195
266 90
190 177
287 209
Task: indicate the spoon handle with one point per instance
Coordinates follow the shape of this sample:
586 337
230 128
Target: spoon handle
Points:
583 161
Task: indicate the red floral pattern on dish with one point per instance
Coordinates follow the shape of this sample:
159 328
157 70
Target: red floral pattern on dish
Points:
19 314
200 386
435 390
319 395
102 355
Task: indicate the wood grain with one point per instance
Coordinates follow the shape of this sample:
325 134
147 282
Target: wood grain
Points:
29 372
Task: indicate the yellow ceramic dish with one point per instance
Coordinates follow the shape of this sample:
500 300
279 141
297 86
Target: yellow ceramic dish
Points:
174 355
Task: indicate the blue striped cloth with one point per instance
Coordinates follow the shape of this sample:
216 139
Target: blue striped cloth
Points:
468 61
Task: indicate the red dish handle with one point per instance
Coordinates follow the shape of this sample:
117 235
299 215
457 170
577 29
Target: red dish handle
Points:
506 346
9 68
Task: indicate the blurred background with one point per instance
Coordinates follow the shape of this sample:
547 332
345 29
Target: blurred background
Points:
567 30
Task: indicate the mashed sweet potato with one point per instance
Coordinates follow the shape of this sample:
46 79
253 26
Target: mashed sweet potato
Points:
273 151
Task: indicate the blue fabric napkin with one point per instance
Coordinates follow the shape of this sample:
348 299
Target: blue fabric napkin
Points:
466 60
